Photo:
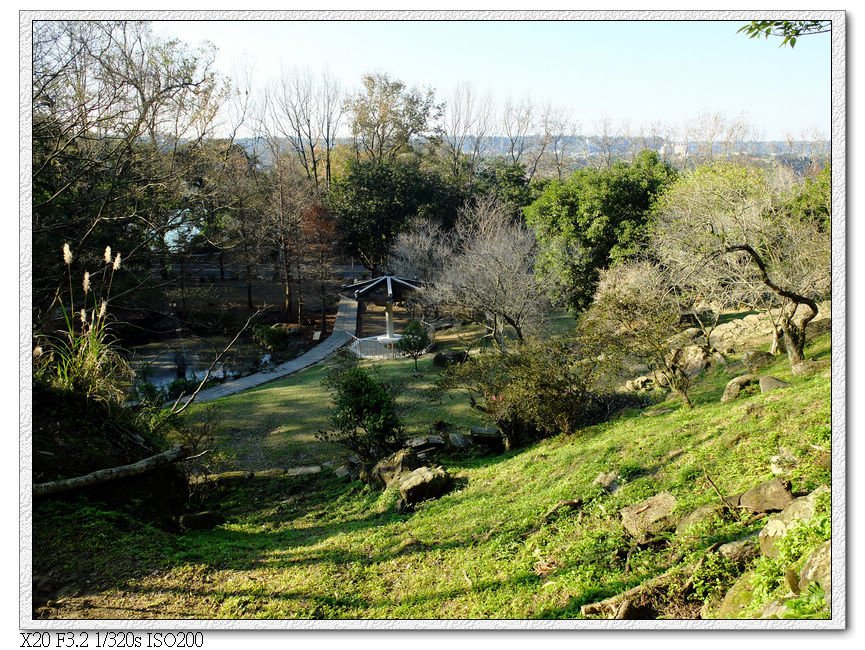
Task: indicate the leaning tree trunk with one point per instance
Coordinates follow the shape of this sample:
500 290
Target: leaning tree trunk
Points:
794 331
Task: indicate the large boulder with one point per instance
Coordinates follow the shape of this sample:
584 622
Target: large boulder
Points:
756 359
639 383
737 599
390 469
808 367
423 484
651 516
818 568
741 551
735 386
799 510
490 438
459 441
768 383
695 359
771 496
426 446
701 514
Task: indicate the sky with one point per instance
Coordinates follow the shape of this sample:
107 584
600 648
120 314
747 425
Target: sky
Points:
633 72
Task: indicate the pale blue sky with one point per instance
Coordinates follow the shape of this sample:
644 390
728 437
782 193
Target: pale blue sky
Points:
636 72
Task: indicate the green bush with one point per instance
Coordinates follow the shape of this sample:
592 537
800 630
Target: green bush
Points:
364 419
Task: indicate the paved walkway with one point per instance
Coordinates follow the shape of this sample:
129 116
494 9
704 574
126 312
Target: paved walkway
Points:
343 329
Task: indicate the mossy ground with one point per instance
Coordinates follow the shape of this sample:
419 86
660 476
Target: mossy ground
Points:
318 547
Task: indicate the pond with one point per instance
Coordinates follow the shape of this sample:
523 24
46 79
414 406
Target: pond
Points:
161 362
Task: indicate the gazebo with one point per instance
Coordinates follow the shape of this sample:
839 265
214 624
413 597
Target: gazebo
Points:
388 289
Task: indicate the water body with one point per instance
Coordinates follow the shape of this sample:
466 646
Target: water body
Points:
162 362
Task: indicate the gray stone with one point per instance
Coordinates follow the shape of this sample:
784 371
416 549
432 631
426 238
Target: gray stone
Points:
459 441
695 359
771 496
755 359
735 385
808 367
703 513
424 483
768 383
818 568
389 469
737 599
741 551
608 480
775 609
650 516
782 462
425 441
342 471
801 509
692 333
639 383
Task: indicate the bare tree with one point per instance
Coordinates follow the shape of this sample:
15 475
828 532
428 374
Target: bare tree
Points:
727 209
490 276
466 121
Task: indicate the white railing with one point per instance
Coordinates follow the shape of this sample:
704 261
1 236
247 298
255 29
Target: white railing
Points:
374 348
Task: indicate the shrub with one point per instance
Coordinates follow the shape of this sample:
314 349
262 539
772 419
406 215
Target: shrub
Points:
364 419
538 388
414 342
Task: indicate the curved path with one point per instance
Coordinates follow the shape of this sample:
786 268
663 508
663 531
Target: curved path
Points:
343 329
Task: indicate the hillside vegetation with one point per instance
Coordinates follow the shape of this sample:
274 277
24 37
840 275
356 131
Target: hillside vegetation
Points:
497 546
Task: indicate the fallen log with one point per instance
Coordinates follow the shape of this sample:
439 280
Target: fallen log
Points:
111 473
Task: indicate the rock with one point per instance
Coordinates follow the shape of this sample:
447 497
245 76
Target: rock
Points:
734 386
442 359
390 469
459 441
801 509
694 359
702 513
650 516
692 333
639 383
342 472
782 462
608 480
775 609
741 551
771 496
303 471
818 568
424 483
756 359
768 383
737 598
425 441
201 520
752 319
808 367
489 437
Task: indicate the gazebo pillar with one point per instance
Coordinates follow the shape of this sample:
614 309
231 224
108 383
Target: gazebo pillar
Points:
388 319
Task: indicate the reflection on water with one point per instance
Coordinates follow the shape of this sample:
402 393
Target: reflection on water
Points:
162 362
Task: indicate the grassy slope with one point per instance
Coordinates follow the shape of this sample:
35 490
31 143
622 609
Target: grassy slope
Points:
317 547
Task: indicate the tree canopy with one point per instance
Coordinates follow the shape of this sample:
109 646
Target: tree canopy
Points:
595 218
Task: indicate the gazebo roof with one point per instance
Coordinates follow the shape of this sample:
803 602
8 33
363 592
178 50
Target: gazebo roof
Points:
392 286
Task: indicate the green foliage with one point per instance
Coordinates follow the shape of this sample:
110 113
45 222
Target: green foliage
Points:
793 549
812 200
810 604
537 389
415 340
595 218
714 576
635 315
364 418
273 339
83 357
788 30
375 201
506 181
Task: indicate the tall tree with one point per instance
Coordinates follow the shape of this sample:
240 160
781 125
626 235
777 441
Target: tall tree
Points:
386 117
115 112
593 219
752 215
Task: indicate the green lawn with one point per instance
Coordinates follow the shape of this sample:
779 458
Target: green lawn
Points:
318 547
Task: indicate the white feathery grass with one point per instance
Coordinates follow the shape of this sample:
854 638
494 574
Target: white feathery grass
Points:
67 254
